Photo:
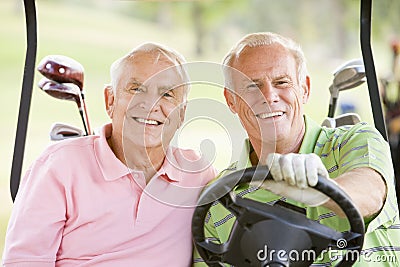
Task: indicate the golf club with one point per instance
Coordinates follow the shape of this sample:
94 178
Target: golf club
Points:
65 91
347 76
343 119
61 131
63 69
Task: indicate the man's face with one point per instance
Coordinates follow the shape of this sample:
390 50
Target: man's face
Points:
148 106
267 95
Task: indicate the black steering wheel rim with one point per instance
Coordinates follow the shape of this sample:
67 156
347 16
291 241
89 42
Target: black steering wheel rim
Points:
222 190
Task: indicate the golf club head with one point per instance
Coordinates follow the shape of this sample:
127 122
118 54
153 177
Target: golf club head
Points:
62 131
341 120
62 69
349 75
64 91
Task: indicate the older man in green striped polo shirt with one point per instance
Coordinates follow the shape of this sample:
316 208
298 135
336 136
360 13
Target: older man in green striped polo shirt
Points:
267 86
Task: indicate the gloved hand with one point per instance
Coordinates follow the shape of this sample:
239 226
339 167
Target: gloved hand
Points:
301 170
293 174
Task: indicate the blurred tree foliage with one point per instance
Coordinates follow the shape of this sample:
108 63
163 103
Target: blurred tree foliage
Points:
335 22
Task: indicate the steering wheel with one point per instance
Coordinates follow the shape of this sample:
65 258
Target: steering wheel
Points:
267 235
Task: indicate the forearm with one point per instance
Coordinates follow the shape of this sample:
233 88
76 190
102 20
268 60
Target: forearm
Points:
366 188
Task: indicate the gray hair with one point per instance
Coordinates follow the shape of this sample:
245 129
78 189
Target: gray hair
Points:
161 51
265 39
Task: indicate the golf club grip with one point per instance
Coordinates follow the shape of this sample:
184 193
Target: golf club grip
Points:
62 69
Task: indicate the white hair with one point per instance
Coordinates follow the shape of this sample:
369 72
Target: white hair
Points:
161 52
265 39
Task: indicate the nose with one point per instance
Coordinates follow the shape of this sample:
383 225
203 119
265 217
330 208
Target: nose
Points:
270 93
150 103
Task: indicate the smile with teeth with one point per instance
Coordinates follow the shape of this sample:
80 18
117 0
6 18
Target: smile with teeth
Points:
270 115
147 121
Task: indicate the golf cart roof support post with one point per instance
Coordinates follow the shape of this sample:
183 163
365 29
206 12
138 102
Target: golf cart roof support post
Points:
365 38
366 7
26 96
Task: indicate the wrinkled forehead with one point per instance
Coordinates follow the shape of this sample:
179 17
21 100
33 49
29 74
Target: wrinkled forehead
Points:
265 56
256 62
154 57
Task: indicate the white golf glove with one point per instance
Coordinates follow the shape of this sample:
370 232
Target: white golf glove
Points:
293 174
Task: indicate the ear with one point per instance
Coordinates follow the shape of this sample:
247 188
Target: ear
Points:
109 100
230 100
306 89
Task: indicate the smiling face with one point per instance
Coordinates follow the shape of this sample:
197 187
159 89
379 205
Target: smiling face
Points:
268 97
148 105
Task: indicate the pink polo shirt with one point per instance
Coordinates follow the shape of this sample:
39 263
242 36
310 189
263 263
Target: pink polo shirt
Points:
78 205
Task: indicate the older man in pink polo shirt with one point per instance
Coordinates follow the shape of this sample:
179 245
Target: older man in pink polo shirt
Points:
125 197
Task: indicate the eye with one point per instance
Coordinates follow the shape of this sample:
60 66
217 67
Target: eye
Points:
283 83
252 86
168 94
135 89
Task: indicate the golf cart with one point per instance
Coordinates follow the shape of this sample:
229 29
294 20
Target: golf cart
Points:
252 214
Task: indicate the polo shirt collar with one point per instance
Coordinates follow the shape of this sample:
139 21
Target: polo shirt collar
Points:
310 138
244 158
311 135
171 167
111 167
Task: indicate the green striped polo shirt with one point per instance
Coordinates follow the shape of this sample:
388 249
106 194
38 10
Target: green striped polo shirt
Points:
341 149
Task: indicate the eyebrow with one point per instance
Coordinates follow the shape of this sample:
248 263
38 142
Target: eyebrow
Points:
256 81
131 82
260 80
282 76
161 89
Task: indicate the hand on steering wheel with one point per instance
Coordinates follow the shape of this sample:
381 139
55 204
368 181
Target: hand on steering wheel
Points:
280 227
294 175
301 170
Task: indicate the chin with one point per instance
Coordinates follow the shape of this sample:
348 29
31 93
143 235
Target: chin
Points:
129 142
152 142
275 134
282 133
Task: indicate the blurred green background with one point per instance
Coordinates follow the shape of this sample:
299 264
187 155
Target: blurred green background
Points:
96 32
